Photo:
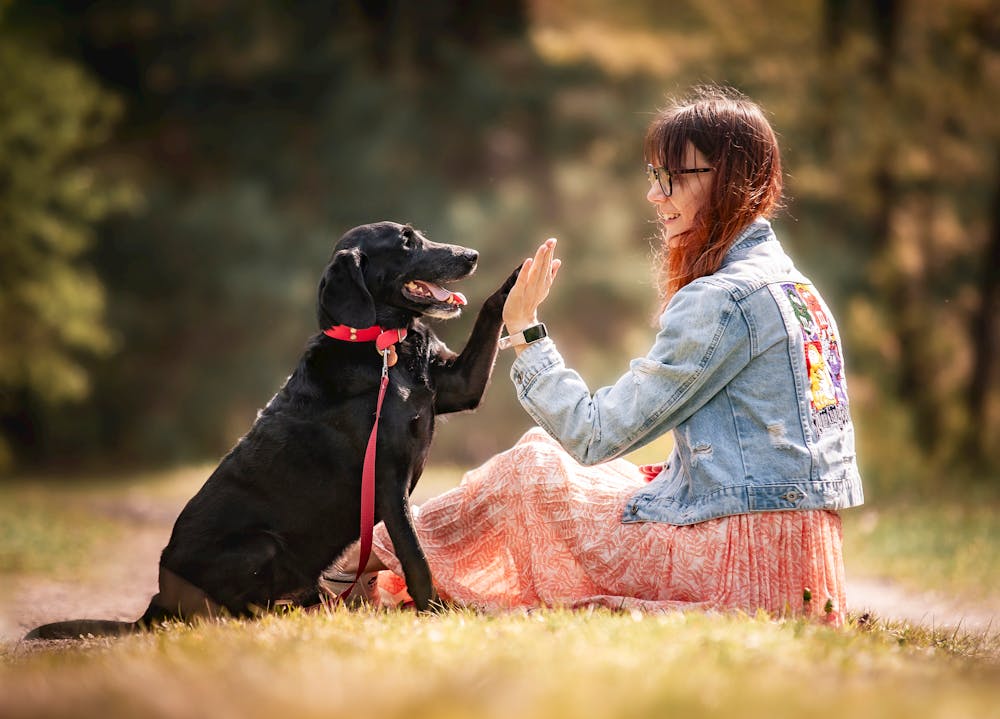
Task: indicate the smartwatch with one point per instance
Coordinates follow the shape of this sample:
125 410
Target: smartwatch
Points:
524 337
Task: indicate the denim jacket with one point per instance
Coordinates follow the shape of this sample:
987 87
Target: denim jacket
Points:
747 370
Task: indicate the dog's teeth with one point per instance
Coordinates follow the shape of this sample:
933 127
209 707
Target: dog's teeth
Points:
435 292
416 288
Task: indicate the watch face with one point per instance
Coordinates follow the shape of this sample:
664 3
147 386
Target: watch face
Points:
533 334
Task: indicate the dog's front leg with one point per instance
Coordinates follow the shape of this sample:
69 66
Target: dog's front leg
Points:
460 382
395 513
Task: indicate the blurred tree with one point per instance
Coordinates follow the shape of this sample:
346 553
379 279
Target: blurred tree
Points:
924 82
51 302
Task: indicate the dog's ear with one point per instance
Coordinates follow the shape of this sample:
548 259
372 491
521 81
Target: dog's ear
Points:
344 298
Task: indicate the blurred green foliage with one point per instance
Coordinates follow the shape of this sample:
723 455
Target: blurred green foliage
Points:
51 305
256 134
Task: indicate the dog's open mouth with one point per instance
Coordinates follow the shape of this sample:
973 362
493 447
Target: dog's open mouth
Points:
423 291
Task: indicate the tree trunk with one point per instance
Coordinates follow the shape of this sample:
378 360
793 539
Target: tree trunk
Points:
985 340
906 292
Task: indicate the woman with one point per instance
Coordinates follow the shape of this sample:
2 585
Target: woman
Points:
746 370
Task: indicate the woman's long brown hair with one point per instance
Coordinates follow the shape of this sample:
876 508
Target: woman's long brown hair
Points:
732 133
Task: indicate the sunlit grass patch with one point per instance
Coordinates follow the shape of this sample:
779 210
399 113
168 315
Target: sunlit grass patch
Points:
37 536
945 544
51 524
549 663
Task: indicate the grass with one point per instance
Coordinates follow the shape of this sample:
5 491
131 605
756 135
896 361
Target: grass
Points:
51 525
35 537
944 544
547 663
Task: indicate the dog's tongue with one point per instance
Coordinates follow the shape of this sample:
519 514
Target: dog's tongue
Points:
443 295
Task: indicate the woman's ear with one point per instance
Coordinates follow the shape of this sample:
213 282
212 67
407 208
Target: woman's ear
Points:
344 298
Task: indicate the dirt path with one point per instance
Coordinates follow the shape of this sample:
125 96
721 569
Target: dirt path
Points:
888 600
119 584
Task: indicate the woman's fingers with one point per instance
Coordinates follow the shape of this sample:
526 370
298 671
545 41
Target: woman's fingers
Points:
532 286
540 278
537 271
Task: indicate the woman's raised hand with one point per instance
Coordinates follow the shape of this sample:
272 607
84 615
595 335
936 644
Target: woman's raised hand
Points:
531 288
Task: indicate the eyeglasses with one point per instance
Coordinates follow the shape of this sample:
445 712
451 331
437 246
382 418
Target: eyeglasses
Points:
665 177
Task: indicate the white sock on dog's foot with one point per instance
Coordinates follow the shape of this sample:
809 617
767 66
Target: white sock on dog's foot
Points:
334 583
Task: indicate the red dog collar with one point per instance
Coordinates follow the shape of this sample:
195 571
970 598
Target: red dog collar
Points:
382 337
385 340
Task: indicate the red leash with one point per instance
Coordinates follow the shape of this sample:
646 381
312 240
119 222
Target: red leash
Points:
368 485
385 341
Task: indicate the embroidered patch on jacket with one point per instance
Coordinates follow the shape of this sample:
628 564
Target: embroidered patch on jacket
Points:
824 361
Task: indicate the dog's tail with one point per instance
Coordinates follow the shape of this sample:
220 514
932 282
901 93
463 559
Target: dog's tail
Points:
79 628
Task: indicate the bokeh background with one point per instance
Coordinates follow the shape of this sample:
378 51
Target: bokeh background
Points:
174 173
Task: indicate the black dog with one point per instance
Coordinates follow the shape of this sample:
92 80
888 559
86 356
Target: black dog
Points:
285 502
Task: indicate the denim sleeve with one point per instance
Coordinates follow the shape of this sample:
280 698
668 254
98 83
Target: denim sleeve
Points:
704 341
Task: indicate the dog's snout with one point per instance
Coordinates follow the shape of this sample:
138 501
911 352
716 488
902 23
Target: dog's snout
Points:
471 256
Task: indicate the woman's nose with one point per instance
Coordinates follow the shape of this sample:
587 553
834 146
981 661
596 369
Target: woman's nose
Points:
655 194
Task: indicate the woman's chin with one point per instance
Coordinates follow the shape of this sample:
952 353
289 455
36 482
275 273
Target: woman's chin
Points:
674 236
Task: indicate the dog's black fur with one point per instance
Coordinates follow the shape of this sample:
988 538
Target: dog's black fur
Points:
285 502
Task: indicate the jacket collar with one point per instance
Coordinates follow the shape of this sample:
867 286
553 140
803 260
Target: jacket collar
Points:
754 234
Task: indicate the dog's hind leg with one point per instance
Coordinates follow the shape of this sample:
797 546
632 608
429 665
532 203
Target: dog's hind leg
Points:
241 577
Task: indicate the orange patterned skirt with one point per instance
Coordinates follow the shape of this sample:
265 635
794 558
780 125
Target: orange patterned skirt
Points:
532 527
